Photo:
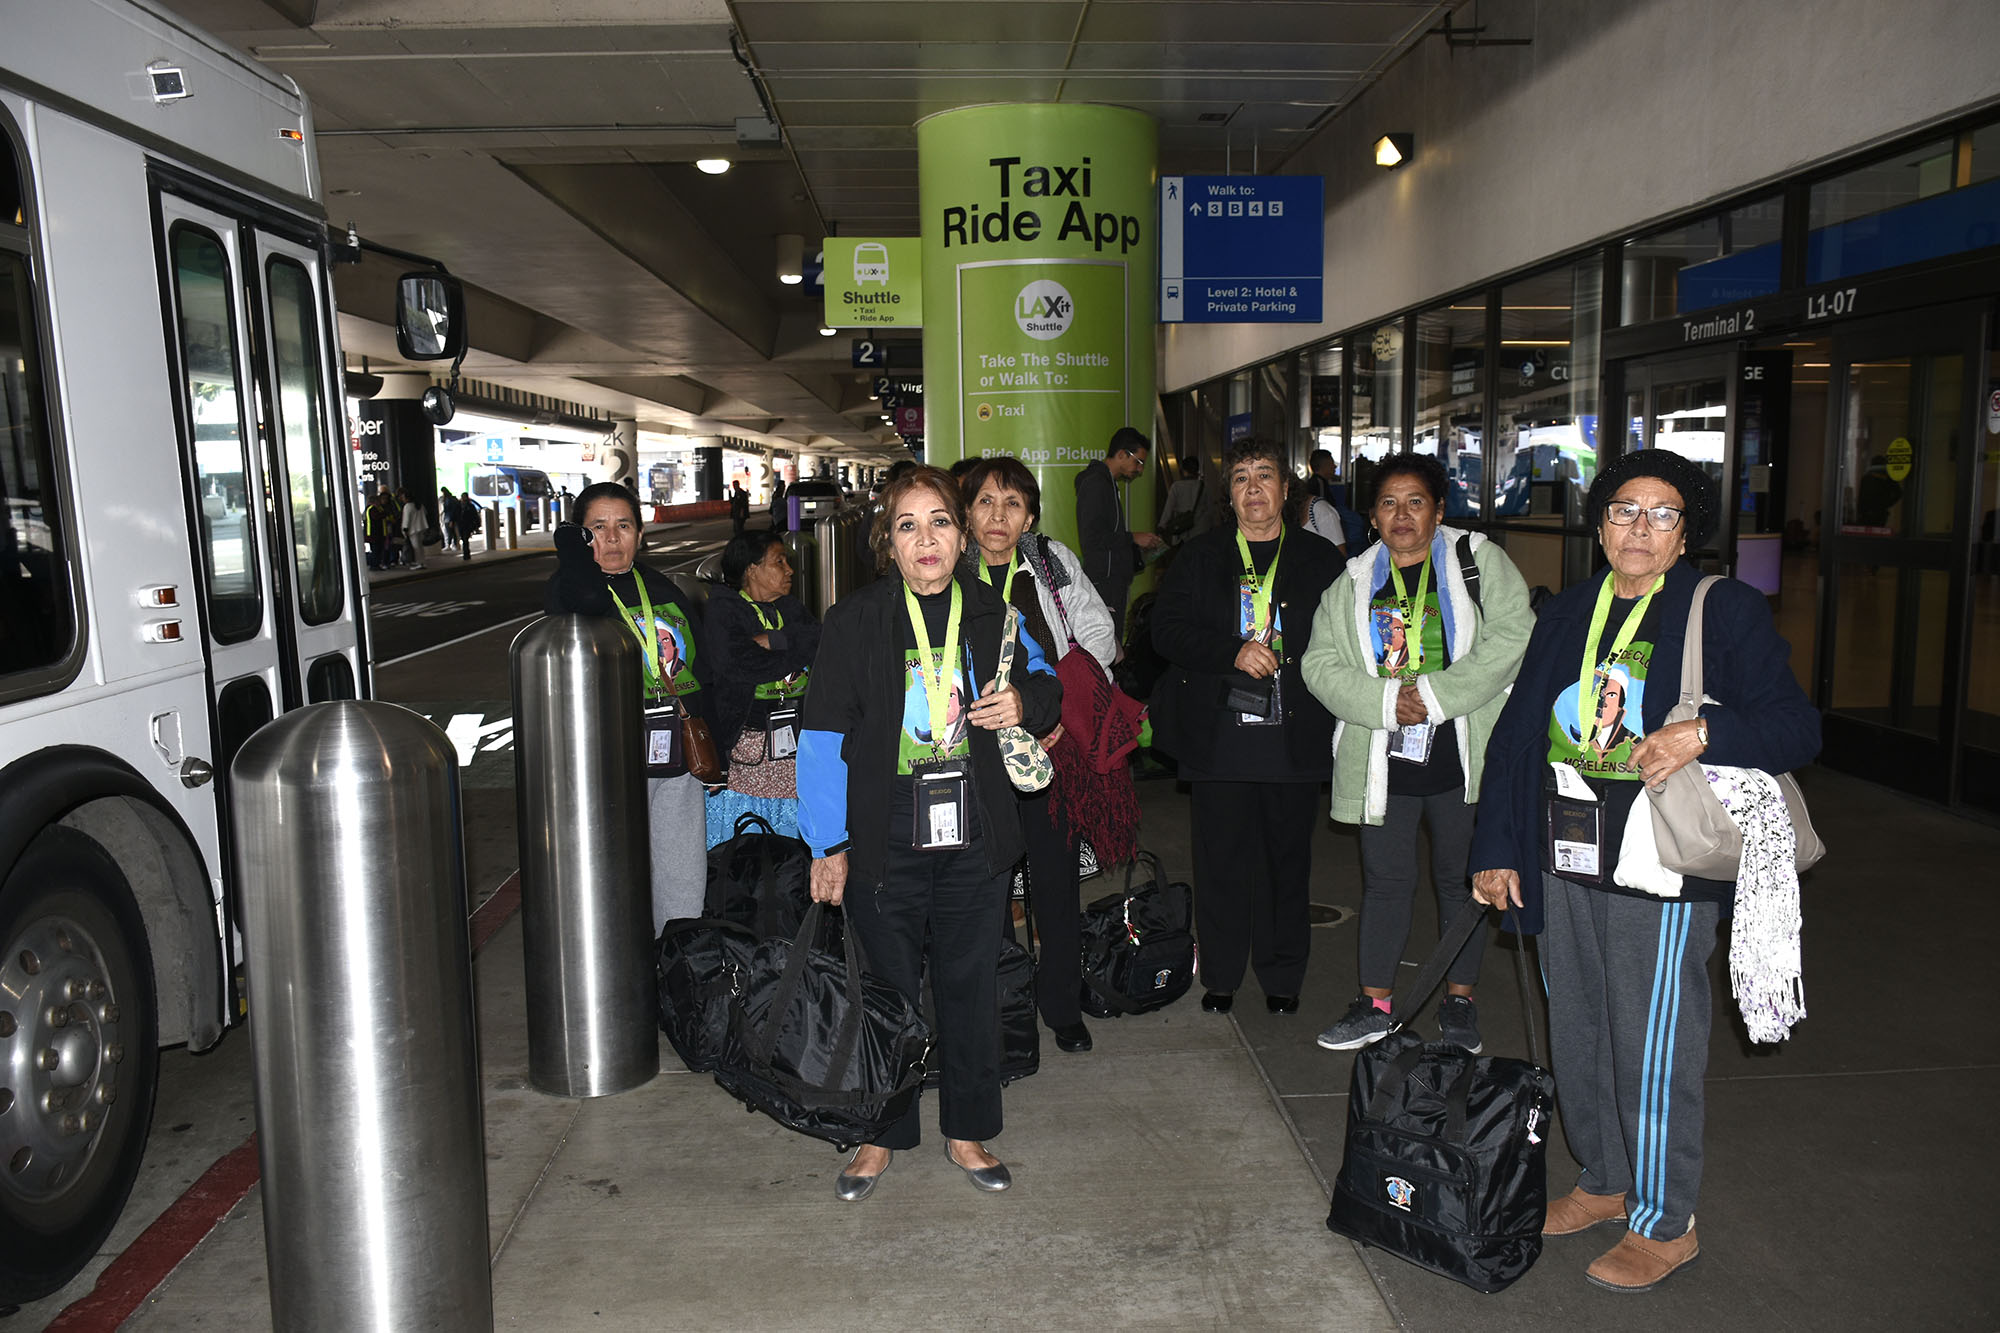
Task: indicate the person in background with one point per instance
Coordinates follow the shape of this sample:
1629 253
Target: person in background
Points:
1323 478
1044 579
1234 619
413 522
448 517
1413 659
470 517
761 641
598 574
779 519
1182 516
1627 970
739 507
906 805
1111 550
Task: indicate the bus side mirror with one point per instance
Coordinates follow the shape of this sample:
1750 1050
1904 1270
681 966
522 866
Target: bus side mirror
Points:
430 317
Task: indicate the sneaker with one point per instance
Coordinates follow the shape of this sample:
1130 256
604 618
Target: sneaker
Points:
1361 1024
1458 1023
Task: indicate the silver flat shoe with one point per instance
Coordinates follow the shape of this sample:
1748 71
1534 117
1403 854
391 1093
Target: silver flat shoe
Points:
853 1189
992 1179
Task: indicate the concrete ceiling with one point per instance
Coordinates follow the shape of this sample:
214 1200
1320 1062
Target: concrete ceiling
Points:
543 150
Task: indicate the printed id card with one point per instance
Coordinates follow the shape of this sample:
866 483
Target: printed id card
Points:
1576 837
943 797
781 733
664 757
1412 743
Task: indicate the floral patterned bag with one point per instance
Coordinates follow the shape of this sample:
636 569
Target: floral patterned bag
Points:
1028 766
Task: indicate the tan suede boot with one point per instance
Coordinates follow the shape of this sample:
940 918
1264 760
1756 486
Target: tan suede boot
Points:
1638 1264
1577 1211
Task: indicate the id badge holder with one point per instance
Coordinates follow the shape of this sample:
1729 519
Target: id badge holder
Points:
1413 743
665 757
1576 838
781 733
943 799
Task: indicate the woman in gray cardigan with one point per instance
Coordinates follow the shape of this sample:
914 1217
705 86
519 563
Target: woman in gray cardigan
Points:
1412 652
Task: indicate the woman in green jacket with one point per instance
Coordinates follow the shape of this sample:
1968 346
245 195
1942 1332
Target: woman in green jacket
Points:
1413 649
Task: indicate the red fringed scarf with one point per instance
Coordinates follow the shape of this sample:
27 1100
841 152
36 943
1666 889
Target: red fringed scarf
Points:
1093 775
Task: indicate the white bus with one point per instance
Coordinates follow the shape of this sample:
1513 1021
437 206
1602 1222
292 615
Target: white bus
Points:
177 566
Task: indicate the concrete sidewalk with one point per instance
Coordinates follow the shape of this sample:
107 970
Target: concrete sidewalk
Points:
1157 1186
539 541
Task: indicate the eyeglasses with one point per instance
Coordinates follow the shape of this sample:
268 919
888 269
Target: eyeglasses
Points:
1661 518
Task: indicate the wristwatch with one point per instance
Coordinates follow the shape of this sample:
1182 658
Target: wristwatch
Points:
1701 731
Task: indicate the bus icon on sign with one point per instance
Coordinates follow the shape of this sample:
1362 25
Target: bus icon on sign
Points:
871 263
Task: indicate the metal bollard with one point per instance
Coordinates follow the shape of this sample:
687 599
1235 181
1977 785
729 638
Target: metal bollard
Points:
586 883
492 528
365 1050
513 527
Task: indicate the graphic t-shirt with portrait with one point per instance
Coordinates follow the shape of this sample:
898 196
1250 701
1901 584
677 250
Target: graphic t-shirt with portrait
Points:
1408 640
915 744
1261 555
1600 748
669 629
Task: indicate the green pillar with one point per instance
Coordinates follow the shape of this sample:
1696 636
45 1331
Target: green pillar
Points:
1041 250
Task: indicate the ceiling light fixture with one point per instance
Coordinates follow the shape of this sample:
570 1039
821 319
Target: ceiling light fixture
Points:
711 166
791 259
826 332
1393 150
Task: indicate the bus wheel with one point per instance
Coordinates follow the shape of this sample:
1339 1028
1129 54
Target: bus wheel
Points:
79 1058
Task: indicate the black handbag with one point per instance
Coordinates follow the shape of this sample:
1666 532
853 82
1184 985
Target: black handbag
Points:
817 1044
1138 946
1020 1025
698 963
759 879
1445 1158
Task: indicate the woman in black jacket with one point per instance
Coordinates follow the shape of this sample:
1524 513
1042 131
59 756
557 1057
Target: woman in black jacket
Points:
761 641
908 810
1233 619
598 574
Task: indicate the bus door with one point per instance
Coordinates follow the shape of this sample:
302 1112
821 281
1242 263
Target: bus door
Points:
311 565
229 496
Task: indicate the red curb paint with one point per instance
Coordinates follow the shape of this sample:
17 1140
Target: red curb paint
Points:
158 1250
161 1247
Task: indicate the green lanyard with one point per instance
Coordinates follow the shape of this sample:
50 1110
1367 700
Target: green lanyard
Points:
1586 683
649 639
937 683
1413 613
1260 589
1013 568
768 626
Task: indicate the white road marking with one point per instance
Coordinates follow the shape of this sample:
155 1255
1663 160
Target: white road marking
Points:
460 639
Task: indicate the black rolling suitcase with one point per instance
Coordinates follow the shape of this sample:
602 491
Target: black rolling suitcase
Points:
1445 1157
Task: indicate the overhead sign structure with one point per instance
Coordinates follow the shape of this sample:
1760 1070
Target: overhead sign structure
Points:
874 282
1241 249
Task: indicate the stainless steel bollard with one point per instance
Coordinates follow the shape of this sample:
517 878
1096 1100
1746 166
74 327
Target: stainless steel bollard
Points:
348 847
586 882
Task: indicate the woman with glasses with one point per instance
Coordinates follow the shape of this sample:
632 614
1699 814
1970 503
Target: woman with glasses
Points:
1412 652
1627 970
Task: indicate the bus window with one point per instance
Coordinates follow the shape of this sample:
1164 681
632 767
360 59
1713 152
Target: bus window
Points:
295 348
202 284
37 618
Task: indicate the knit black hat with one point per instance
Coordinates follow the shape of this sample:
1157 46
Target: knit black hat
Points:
1698 490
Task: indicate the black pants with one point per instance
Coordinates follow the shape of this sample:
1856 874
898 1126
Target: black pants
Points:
953 898
1054 900
1389 883
1252 890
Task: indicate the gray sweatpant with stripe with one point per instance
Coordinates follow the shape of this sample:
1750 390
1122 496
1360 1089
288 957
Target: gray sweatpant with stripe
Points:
1629 1013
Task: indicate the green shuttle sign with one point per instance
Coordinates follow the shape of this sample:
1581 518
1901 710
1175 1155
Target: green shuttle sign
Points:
874 282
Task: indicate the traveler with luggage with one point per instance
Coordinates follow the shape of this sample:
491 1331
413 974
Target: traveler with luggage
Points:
470 518
597 574
1059 607
1627 970
1413 649
909 811
761 641
1234 619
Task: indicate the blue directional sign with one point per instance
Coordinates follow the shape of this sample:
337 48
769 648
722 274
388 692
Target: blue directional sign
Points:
1241 249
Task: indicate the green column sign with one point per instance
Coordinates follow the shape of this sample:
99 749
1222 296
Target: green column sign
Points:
1040 254
873 282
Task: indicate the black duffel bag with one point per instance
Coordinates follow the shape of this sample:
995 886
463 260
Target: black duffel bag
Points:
699 962
1138 946
1445 1157
817 1044
760 879
1020 1023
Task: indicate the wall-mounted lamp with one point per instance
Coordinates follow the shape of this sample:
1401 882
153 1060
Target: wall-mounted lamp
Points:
711 166
1393 150
791 259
